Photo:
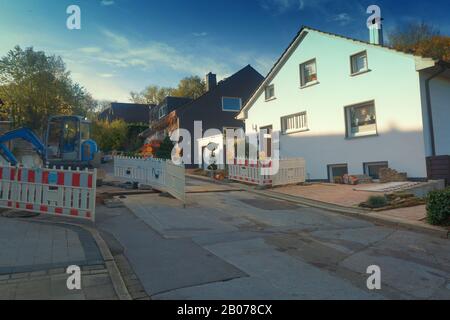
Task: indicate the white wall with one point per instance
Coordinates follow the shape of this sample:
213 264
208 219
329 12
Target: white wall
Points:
392 83
440 104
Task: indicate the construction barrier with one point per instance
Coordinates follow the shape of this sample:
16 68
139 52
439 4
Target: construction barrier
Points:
250 171
263 173
70 193
160 174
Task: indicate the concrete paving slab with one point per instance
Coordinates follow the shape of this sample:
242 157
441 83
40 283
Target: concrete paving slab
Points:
163 265
169 219
289 277
418 281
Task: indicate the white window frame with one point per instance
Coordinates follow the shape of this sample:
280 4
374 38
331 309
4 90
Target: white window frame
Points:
348 121
353 64
300 126
303 83
240 104
266 90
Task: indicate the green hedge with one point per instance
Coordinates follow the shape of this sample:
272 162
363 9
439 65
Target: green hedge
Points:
438 207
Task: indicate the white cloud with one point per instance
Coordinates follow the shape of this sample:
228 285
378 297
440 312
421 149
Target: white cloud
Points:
281 5
107 3
200 34
341 18
106 75
90 50
152 54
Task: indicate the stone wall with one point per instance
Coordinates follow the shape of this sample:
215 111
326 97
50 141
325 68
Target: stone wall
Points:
391 175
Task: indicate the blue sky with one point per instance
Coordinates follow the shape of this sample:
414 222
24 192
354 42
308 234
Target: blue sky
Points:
125 45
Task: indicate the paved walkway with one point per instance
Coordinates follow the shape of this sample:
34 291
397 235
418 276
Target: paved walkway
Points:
343 195
34 256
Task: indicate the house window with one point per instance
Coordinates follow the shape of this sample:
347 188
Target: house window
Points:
163 112
372 169
361 120
336 172
359 63
270 92
231 104
308 73
294 123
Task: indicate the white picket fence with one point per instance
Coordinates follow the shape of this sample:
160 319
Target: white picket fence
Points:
263 173
159 174
70 193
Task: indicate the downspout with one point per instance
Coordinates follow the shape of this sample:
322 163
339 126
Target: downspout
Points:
442 69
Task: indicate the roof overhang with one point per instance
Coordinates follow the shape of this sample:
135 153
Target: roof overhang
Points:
436 67
273 72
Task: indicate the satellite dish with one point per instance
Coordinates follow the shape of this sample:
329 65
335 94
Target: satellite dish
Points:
212 146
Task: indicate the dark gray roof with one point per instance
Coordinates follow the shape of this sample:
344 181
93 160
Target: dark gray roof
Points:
241 84
129 112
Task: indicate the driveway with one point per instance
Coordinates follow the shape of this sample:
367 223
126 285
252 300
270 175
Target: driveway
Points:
237 245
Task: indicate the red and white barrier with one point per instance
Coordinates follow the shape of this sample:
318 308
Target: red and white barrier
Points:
250 171
58 192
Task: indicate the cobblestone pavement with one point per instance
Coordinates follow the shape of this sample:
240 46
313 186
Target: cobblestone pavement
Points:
34 257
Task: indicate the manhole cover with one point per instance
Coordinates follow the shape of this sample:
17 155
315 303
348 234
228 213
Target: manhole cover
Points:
271 205
19 214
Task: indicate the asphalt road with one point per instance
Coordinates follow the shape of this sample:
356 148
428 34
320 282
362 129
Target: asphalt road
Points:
236 245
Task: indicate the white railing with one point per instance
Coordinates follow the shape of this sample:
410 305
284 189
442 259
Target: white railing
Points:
159 174
60 192
264 173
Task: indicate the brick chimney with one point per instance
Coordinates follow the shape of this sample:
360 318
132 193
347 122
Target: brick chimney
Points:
211 81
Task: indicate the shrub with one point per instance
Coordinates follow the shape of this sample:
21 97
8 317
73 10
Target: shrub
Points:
117 135
438 207
110 136
165 150
377 202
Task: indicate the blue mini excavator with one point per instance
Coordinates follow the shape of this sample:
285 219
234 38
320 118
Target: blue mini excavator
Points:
67 143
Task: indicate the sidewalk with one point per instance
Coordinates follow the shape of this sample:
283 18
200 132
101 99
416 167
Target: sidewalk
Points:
347 196
34 256
409 218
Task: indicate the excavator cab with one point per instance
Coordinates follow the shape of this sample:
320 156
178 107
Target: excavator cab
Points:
68 141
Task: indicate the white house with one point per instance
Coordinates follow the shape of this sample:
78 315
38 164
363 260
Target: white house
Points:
352 106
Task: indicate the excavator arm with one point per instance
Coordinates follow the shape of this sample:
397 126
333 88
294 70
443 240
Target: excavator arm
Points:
24 134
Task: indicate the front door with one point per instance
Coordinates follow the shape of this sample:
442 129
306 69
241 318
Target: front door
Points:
266 141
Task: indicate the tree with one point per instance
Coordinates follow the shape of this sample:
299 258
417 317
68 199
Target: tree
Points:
110 136
165 150
34 86
421 39
151 95
189 87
